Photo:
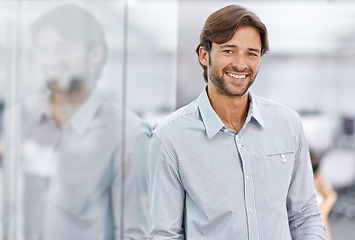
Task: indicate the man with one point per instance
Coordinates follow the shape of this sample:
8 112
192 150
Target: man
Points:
232 165
84 159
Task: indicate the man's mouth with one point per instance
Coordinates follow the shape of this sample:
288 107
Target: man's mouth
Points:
238 76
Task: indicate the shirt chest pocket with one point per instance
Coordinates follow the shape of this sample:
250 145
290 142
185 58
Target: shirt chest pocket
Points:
279 169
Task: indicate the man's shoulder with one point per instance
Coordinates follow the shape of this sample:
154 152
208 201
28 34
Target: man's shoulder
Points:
115 117
178 120
268 106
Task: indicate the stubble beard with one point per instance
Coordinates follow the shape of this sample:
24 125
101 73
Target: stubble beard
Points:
220 83
74 81
74 85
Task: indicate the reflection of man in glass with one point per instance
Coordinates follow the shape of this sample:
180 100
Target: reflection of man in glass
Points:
83 178
71 51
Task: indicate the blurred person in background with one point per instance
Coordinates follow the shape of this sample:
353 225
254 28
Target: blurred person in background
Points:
319 132
232 165
326 195
83 157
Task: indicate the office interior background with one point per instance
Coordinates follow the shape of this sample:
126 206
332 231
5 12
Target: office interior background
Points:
152 70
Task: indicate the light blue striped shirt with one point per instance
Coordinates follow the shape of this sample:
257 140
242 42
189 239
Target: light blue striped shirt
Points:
210 182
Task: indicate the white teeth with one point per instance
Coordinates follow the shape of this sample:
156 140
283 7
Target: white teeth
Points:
237 76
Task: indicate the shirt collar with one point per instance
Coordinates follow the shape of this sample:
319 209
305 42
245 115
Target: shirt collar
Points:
254 111
211 120
209 117
81 119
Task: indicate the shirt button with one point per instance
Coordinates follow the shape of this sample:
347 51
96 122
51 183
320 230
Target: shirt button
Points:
250 210
240 145
247 178
283 158
225 130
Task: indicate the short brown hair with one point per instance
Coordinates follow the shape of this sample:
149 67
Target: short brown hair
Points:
221 25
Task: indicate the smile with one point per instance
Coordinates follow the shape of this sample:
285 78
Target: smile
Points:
236 75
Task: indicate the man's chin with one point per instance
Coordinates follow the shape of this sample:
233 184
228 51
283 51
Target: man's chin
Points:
236 94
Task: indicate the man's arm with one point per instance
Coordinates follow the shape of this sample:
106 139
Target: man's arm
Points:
304 215
166 193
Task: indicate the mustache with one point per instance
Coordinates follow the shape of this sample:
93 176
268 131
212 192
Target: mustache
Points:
75 84
246 70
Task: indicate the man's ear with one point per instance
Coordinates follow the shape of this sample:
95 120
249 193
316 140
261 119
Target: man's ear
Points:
203 56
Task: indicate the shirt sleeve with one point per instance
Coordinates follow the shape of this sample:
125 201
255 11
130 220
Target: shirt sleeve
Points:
303 212
166 193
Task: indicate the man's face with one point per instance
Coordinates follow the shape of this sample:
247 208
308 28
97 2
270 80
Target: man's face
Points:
64 62
233 66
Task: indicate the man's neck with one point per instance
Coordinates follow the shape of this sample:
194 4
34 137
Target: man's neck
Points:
231 110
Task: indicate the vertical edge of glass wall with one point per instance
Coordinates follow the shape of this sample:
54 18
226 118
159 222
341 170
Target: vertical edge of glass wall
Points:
11 127
151 76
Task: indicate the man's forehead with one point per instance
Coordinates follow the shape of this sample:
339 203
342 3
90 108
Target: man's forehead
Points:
51 34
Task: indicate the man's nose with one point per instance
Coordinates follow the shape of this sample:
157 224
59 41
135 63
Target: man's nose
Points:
240 63
50 57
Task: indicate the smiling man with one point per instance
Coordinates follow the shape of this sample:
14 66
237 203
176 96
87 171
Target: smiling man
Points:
232 165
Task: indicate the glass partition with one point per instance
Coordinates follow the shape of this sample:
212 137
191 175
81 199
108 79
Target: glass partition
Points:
81 84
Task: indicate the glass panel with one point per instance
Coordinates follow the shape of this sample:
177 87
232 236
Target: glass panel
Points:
152 51
63 135
151 46
84 80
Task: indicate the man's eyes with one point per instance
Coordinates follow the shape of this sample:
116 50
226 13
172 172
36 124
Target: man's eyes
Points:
252 54
64 47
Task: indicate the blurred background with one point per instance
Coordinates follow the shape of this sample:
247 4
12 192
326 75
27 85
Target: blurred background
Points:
152 69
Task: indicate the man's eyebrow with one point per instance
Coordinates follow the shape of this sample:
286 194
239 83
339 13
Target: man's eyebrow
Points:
254 50
235 46
228 46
